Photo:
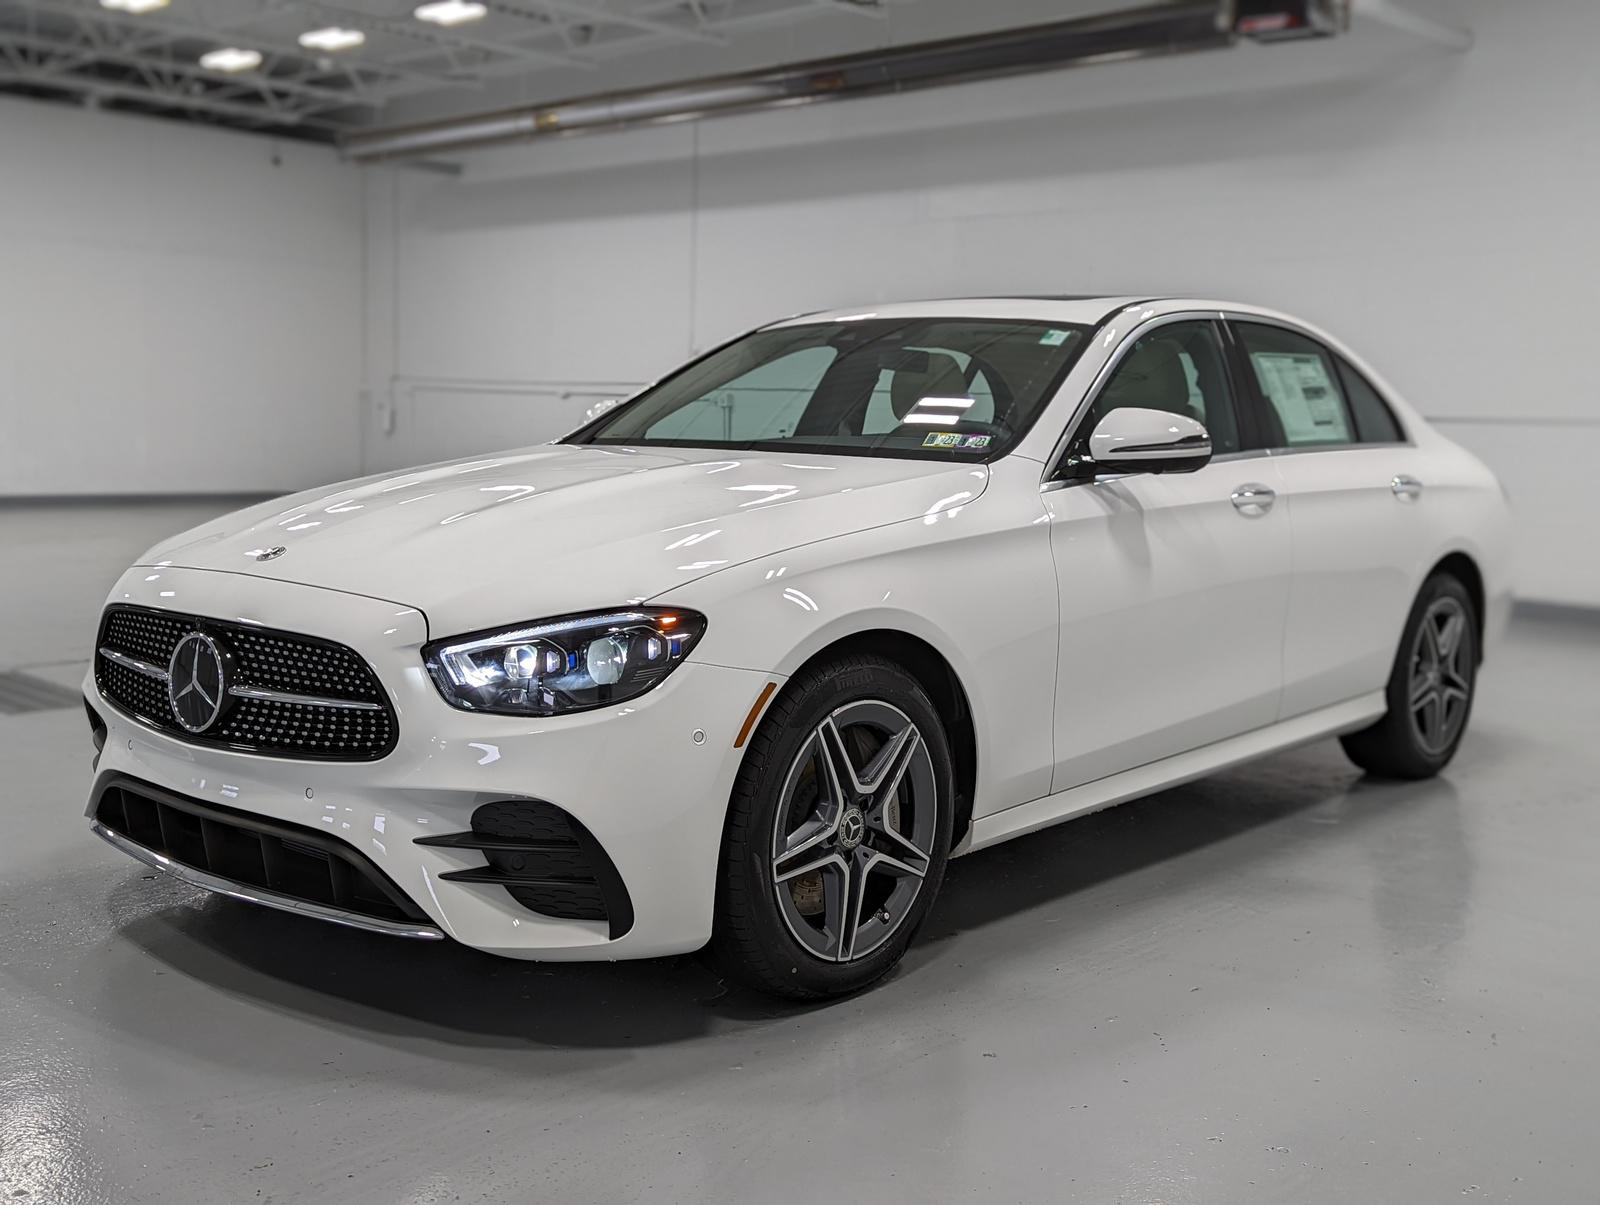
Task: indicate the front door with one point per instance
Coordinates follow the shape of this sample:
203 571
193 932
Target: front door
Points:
1173 586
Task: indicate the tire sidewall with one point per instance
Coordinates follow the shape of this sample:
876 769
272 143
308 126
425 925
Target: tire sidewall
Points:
792 719
1399 689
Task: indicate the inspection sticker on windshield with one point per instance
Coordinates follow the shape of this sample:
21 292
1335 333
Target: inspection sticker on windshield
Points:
1053 338
954 439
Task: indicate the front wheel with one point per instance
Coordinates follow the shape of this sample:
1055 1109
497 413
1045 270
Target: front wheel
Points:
838 832
1430 689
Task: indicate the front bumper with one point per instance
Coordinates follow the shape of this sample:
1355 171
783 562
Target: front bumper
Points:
649 779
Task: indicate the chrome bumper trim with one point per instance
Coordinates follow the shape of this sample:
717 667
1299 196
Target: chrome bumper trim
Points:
257 895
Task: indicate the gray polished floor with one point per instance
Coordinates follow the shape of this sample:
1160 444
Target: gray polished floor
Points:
1281 984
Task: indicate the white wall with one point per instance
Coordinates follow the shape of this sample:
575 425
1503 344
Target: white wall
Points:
181 309
1435 209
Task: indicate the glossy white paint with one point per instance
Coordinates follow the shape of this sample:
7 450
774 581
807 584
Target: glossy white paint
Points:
1110 638
1172 617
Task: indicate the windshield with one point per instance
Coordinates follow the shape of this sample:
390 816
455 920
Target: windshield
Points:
950 388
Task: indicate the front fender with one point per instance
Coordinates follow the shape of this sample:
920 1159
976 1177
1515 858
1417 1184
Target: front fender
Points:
975 581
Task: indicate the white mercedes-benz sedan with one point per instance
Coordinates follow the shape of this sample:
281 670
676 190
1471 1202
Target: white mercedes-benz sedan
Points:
741 663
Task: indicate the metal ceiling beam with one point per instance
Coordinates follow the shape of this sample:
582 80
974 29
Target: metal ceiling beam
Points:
177 28
606 16
1158 29
76 55
254 114
441 38
58 44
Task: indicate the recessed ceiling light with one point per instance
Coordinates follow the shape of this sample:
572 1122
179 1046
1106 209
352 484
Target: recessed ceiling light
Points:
450 12
231 58
134 6
332 38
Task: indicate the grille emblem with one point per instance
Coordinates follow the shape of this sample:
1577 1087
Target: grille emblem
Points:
197 684
270 554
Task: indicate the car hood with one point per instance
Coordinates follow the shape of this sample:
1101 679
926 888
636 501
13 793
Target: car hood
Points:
560 528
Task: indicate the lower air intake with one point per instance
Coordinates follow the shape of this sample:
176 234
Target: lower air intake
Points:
546 861
252 851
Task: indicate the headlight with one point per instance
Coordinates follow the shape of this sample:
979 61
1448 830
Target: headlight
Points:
555 666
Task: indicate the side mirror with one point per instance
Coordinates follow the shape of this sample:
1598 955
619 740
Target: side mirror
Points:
1135 440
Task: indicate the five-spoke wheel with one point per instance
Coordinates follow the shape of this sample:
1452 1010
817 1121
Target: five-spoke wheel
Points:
1441 686
838 832
854 829
1430 686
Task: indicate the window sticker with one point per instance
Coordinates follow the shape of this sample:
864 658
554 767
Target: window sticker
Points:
1304 395
1053 338
942 439
976 442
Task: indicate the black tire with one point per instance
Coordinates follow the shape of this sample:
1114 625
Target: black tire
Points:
758 938
1411 741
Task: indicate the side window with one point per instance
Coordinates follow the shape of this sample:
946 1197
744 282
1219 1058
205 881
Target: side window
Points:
764 403
1375 422
1178 368
1300 382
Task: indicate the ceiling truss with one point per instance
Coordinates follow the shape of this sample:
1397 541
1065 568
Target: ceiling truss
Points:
149 62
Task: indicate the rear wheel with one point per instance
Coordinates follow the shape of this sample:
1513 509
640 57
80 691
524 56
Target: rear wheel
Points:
1430 689
837 835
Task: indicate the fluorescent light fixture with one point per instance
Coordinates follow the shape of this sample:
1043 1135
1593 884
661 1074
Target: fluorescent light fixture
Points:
332 39
231 58
134 6
958 403
450 12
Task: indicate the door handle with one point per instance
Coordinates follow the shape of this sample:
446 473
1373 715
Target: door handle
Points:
1253 500
1406 488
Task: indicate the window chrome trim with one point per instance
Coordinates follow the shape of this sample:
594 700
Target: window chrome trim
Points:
1092 393
1303 449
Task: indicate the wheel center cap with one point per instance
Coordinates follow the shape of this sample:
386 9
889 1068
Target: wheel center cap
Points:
852 827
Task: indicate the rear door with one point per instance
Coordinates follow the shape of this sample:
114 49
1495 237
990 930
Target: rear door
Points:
1173 586
1355 498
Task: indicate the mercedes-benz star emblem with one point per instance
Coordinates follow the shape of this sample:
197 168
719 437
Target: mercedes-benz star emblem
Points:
197 682
852 827
270 554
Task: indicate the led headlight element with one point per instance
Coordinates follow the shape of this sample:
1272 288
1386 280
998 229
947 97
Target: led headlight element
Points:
571 663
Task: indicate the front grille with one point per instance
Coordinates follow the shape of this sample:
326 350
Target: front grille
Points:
262 659
287 859
545 859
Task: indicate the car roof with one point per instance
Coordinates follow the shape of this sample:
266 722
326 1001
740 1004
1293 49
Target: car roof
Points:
1062 307
1086 310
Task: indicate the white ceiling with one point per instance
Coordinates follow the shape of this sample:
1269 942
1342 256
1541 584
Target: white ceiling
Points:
80 51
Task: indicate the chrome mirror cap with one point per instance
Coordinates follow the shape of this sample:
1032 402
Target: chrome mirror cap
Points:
1136 440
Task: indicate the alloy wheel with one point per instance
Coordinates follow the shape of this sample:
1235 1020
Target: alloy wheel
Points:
855 830
1440 686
